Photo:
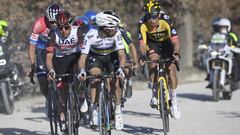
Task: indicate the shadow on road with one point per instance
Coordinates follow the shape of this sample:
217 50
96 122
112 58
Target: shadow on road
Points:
140 130
229 114
194 96
16 131
36 119
141 114
38 109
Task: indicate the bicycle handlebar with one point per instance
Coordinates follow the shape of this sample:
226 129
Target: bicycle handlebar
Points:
102 76
163 61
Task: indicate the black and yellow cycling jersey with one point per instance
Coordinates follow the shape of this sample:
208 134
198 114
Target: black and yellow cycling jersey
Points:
163 33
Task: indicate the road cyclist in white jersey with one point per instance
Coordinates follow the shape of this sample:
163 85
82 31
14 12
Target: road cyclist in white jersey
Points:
105 50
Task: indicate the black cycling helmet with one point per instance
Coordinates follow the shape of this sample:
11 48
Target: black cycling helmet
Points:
152 7
63 18
52 11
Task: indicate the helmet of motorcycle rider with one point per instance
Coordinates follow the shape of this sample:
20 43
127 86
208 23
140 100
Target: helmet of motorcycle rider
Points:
225 25
52 11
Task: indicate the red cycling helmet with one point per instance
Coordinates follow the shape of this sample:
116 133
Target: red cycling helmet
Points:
63 19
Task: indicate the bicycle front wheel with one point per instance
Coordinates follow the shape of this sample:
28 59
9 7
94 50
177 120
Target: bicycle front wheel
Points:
104 117
163 107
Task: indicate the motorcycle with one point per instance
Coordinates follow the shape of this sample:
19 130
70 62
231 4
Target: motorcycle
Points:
219 67
11 83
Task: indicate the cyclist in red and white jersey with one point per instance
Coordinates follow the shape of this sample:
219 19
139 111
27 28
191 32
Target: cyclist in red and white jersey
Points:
37 45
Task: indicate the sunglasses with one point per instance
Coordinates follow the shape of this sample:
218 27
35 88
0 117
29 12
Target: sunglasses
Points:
152 17
64 27
52 22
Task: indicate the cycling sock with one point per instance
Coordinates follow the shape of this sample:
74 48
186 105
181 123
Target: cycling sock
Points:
174 96
118 109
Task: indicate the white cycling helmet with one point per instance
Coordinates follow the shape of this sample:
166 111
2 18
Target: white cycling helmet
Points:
225 22
52 11
107 18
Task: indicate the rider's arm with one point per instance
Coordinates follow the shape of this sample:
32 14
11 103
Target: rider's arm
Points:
50 51
142 39
85 48
31 53
120 48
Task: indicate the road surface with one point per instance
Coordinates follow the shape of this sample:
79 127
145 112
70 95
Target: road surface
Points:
200 115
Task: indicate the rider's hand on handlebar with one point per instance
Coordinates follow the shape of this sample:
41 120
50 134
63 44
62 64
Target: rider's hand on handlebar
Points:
51 74
142 59
82 75
31 72
176 57
120 74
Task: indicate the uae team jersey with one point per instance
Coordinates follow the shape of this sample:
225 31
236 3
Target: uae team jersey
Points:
39 33
99 45
65 46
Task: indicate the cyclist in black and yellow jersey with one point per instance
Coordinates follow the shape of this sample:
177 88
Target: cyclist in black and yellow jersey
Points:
159 39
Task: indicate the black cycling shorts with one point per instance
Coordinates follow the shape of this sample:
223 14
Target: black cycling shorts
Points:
165 49
108 63
63 65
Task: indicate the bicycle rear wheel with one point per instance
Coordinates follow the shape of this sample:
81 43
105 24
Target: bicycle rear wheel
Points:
163 108
103 113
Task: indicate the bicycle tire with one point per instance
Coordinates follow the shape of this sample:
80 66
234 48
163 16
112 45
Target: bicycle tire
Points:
104 117
163 108
70 121
53 113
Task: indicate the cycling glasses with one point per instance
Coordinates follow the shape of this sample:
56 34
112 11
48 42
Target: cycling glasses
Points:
52 22
64 27
151 17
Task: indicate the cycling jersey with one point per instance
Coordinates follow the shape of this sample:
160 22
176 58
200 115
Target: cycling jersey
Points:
65 46
127 40
163 32
101 45
39 33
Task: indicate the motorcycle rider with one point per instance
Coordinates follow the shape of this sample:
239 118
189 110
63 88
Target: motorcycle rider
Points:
232 39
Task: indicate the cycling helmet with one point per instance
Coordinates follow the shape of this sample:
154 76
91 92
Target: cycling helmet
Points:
80 20
91 15
108 19
63 18
152 8
52 11
225 22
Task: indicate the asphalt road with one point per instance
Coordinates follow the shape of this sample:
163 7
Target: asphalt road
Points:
200 115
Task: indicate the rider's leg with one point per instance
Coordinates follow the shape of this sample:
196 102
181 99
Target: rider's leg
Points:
172 73
153 79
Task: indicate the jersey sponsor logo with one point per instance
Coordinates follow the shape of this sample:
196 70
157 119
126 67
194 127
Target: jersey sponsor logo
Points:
166 17
119 37
174 31
67 41
139 36
90 36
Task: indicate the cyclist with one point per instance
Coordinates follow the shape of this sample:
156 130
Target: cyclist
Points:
158 38
63 52
232 39
162 15
37 46
106 50
130 50
3 31
91 16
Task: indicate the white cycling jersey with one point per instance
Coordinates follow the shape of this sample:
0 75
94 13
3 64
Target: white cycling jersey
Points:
69 45
103 46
